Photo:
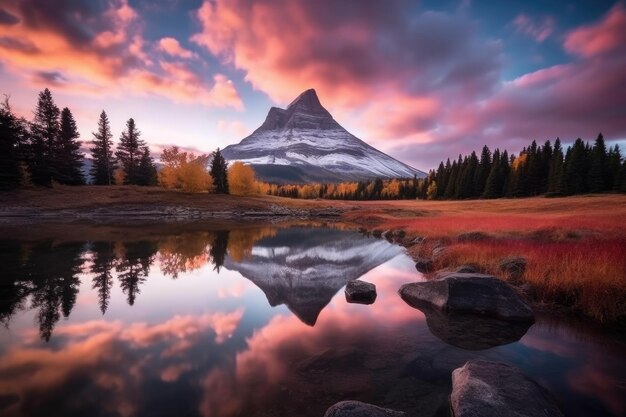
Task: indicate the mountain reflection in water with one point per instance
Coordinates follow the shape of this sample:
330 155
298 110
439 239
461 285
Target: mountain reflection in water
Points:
249 322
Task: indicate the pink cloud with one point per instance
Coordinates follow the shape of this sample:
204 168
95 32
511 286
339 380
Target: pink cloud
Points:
605 36
538 30
172 47
101 51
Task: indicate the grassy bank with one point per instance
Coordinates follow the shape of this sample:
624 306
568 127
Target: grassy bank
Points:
574 248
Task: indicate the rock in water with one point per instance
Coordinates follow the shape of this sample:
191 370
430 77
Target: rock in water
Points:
492 389
360 292
359 409
469 293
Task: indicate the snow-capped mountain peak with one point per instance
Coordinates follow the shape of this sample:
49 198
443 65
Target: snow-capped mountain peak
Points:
303 143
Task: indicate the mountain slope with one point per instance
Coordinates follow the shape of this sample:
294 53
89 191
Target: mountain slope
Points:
303 143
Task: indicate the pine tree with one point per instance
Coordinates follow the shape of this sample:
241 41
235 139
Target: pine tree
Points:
102 153
69 160
598 177
129 152
219 172
555 173
44 135
11 139
147 173
483 171
492 188
576 168
615 160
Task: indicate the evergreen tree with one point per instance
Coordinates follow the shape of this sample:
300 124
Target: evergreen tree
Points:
11 139
129 152
147 173
598 177
576 168
555 173
622 181
102 153
483 171
69 160
451 188
615 159
219 172
492 188
44 135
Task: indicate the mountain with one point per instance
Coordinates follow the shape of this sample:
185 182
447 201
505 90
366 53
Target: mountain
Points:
303 268
303 143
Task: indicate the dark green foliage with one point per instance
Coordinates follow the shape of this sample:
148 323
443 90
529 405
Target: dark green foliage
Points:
129 152
45 130
577 163
147 172
12 137
555 172
102 153
219 172
598 178
66 154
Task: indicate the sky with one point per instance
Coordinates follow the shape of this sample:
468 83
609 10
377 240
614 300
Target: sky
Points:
420 80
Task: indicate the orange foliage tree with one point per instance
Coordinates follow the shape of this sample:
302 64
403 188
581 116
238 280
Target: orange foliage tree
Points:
185 171
242 181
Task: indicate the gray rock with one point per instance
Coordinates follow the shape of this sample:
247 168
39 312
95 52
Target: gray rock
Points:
377 232
359 409
360 292
424 265
470 294
513 267
472 332
387 234
492 389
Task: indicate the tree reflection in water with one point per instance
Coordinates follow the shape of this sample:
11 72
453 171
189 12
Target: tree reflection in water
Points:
45 276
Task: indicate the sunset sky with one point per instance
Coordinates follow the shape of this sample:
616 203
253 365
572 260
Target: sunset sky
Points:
420 80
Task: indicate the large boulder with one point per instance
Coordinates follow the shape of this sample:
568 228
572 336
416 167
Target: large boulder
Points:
360 292
359 409
492 389
472 332
468 293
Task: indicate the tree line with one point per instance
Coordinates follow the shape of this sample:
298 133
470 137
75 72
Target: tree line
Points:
47 150
538 170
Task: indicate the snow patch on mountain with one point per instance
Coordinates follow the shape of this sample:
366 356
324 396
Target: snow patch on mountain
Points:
306 136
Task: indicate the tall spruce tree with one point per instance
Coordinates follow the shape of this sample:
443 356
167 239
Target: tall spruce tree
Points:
492 188
129 152
44 135
69 160
12 134
102 153
555 173
147 173
219 172
482 172
598 177
576 168
615 159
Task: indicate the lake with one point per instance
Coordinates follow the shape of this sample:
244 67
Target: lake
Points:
254 322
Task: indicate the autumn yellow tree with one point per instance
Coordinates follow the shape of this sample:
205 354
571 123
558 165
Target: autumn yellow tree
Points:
185 171
241 180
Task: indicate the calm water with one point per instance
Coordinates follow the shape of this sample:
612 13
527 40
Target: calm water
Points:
255 323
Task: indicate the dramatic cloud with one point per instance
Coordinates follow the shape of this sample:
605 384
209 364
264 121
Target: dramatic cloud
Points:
360 53
98 48
423 85
540 31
